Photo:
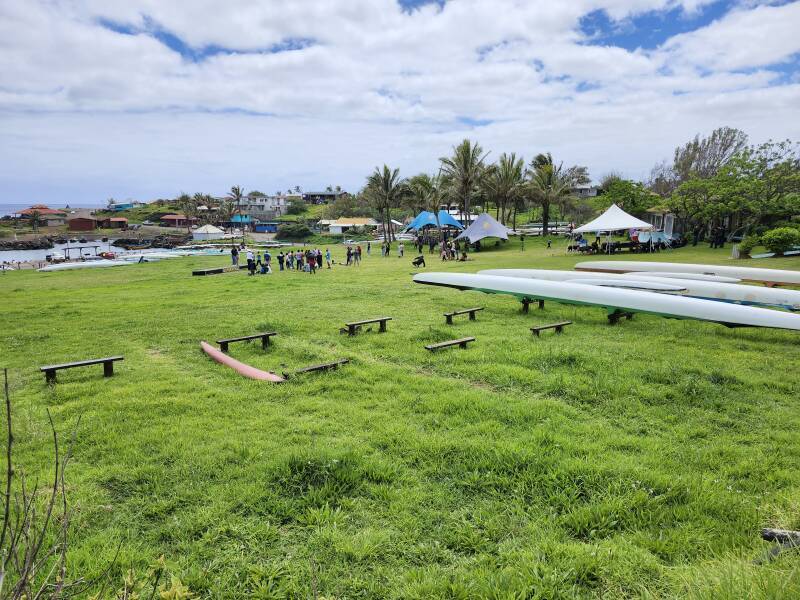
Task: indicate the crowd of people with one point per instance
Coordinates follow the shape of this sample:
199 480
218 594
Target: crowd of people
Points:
307 260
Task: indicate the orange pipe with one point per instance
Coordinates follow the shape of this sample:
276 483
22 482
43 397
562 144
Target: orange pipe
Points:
239 367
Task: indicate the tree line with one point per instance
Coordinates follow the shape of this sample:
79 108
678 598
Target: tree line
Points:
710 182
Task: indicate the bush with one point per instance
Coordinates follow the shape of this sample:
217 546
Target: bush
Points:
747 245
296 207
293 231
781 239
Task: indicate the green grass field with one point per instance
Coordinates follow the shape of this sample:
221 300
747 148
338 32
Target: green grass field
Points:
636 460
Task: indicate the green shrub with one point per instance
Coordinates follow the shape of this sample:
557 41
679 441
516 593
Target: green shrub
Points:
781 239
748 244
293 231
297 207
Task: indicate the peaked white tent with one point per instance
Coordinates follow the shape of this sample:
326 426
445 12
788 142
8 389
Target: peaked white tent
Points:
208 232
614 219
484 226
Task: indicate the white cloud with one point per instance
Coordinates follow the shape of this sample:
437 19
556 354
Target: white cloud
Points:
91 111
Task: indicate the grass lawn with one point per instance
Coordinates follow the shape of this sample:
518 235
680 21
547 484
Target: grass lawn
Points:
632 460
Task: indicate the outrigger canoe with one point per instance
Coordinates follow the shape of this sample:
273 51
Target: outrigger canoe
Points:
239 367
725 292
615 300
768 276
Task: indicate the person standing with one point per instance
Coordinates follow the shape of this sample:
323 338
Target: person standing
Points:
280 260
358 255
369 248
319 258
251 262
400 250
268 261
328 256
234 256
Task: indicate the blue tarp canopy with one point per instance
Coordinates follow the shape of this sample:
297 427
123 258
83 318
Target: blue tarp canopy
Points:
428 219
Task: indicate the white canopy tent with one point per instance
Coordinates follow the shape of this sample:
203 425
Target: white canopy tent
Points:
208 232
484 226
614 219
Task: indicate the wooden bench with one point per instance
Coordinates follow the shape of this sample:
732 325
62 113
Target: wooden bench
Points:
527 301
323 367
108 367
449 316
559 327
614 317
460 342
223 344
351 327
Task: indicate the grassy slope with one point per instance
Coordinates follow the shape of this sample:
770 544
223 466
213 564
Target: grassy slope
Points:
619 460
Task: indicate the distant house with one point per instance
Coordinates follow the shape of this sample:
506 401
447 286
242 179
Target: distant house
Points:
117 206
264 208
585 191
343 224
176 221
48 217
322 197
266 227
84 223
113 223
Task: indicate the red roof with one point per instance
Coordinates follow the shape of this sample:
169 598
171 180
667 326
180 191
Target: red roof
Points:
42 210
119 219
173 217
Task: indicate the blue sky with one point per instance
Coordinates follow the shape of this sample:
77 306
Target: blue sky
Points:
145 99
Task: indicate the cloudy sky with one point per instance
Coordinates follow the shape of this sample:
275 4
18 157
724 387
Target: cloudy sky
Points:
147 98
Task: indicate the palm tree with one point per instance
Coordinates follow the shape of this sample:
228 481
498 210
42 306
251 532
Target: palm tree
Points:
503 183
464 170
235 196
385 190
419 187
36 218
186 203
547 185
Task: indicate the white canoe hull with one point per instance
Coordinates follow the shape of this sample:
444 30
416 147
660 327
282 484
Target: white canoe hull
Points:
725 292
747 273
695 276
678 307
93 264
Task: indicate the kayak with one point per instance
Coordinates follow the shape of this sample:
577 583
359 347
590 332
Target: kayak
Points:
615 300
695 276
92 264
708 290
769 276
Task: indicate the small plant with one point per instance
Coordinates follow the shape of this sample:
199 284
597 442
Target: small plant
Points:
748 244
781 239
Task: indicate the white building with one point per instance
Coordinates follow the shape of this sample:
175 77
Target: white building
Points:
585 191
265 208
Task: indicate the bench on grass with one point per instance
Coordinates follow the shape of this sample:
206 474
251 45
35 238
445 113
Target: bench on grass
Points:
449 316
352 327
460 342
559 327
615 316
223 344
527 301
108 367
324 366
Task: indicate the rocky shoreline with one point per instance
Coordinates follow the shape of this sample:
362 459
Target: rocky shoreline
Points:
42 243
46 242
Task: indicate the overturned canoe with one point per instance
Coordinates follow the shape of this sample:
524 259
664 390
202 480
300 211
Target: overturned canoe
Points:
769 276
755 295
239 367
614 300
